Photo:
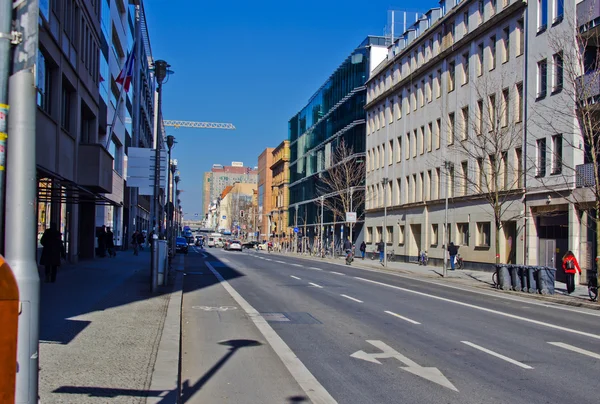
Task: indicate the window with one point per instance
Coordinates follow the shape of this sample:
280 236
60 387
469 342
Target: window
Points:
400 234
451 73
369 235
438 182
389 234
407 145
541 158
398 148
520 38
480 175
542 76
399 106
542 15
481 9
504 170
463 233
379 233
434 235
452 31
451 128
421 187
494 5
414 98
422 140
465 123
557 141
493 52
413 190
519 167
398 194
451 181
465 65
479 117
65 117
483 234
480 59
421 91
557 76
408 188
559 10
391 111
505 108
505 45
390 152
429 136
438 133
414 143
429 92
492 113
519 102
465 177
44 83
493 173
427 187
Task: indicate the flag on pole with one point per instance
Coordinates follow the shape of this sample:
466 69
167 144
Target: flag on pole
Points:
126 73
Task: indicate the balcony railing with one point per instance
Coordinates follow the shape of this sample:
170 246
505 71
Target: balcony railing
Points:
584 175
588 13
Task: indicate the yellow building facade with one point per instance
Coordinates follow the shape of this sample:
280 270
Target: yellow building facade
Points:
280 190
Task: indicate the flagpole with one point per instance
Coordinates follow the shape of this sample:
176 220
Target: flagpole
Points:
126 71
114 120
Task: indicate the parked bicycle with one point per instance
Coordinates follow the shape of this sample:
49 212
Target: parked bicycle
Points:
593 285
391 256
423 258
459 263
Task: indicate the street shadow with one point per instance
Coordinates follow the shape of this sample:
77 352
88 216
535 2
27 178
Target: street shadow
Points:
105 283
435 271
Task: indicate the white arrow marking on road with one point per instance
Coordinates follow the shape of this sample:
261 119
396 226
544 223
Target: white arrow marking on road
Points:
575 349
430 373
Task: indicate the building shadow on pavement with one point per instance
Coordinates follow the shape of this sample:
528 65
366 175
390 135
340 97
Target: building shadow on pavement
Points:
187 390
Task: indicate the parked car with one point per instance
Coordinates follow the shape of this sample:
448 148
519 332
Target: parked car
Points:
263 246
181 245
235 245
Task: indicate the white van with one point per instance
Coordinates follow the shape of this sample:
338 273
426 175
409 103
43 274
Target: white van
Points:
214 239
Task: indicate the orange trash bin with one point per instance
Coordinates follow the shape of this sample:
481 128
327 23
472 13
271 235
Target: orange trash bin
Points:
9 318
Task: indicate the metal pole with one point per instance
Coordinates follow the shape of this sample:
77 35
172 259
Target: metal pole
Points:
447 166
21 191
350 224
322 203
385 181
5 45
156 227
295 232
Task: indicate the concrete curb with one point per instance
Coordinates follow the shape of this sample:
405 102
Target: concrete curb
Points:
563 300
166 373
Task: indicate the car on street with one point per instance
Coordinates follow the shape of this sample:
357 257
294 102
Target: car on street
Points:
234 245
181 245
263 246
250 244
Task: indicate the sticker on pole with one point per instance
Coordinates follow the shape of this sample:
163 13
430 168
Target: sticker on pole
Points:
351 217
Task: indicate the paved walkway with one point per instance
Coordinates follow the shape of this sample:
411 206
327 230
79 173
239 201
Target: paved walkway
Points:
469 278
100 329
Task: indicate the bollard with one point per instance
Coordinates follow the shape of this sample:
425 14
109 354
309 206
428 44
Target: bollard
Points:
9 318
503 277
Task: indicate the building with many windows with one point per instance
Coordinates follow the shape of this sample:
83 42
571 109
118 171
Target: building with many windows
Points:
265 183
459 110
280 169
334 113
220 176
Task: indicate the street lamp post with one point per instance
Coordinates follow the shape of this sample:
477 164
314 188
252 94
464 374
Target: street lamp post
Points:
176 201
350 224
169 205
448 166
385 182
161 69
321 230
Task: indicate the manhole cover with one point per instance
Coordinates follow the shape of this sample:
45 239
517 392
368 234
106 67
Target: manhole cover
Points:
215 308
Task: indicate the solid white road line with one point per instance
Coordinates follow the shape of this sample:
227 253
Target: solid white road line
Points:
280 262
315 285
311 386
500 313
295 277
575 349
337 273
297 265
351 298
402 317
497 355
316 269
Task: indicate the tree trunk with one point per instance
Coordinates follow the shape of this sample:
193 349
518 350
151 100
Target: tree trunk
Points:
597 243
497 236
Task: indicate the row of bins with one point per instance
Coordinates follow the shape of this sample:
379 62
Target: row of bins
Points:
526 278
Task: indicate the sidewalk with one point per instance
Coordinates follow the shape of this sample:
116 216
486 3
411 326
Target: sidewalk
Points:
100 330
467 278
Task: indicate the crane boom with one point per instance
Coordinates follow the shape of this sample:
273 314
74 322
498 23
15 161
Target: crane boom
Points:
199 125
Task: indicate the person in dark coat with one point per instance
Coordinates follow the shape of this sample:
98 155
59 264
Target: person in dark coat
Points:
110 243
102 242
452 251
363 249
53 250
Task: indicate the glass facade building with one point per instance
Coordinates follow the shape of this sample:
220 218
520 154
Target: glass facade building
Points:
334 112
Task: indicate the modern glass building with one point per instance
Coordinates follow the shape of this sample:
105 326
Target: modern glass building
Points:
334 112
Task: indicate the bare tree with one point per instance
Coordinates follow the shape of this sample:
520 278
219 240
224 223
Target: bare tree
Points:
489 142
341 185
574 117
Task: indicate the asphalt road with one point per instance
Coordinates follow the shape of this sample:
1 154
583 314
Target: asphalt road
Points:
372 337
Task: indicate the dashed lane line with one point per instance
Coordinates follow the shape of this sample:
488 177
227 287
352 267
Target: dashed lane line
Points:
295 277
315 285
402 317
351 298
497 355
575 349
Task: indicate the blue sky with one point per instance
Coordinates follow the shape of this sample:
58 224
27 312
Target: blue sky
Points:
254 64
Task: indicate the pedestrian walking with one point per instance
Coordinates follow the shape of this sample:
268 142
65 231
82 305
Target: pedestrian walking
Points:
570 265
110 243
452 251
363 249
52 252
102 241
141 239
134 242
381 251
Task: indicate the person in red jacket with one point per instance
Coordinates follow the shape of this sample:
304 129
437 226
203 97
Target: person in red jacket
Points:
570 265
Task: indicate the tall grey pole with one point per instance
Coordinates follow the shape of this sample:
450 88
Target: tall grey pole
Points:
21 193
156 226
350 224
447 166
385 241
322 203
5 45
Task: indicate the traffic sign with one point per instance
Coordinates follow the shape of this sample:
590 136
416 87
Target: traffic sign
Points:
296 230
351 217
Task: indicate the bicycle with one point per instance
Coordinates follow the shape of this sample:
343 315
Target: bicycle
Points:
593 285
390 256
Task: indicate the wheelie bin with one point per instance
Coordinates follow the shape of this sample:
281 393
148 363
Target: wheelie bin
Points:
531 279
503 276
546 277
